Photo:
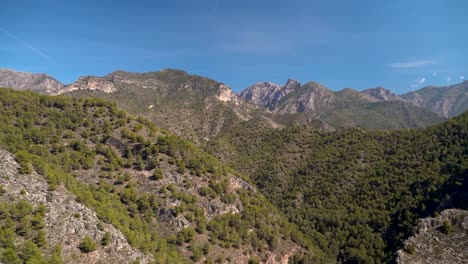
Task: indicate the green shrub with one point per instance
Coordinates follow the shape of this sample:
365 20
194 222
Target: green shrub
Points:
410 249
87 245
105 239
446 227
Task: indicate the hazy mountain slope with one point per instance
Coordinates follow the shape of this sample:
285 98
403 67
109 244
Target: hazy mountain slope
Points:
313 103
191 106
447 101
170 200
382 94
381 116
41 83
361 191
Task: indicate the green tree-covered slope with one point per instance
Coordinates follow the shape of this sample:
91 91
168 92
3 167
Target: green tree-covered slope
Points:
190 106
359 192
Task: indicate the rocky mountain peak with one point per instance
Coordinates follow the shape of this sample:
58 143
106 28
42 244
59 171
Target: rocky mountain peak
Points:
266 94
38 82
291 85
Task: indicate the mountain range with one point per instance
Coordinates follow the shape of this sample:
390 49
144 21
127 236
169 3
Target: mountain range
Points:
199 108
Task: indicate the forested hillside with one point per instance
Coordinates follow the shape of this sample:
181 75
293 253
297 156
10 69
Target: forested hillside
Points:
358 192
191 106
171 200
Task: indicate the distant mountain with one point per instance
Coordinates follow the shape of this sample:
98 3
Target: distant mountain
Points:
199 108
38 82
383 94
312 102
191 106
268 94
447 101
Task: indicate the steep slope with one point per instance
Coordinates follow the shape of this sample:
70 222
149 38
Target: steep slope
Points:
315 105
41 83
439 240
115 173
447 101
65 222
191 106
358 192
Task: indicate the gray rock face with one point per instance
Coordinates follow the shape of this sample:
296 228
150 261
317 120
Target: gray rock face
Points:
433 246
67 222
447 101
41 83
312 98
268 94
291 85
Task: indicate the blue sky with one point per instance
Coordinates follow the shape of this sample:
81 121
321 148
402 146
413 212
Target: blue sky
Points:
401 45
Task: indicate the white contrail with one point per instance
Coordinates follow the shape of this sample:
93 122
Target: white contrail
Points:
24 43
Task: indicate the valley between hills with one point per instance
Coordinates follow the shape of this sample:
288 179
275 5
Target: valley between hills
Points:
169 167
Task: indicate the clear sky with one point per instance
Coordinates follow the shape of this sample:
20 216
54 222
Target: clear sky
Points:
401 45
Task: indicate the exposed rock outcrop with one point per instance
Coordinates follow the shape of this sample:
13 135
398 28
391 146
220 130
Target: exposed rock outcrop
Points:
67 222
431 245
89 83
225 94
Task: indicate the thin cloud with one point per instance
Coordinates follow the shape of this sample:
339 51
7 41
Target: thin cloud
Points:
24 43
449 79
265 37
216 6
412 64
418 82
462 77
